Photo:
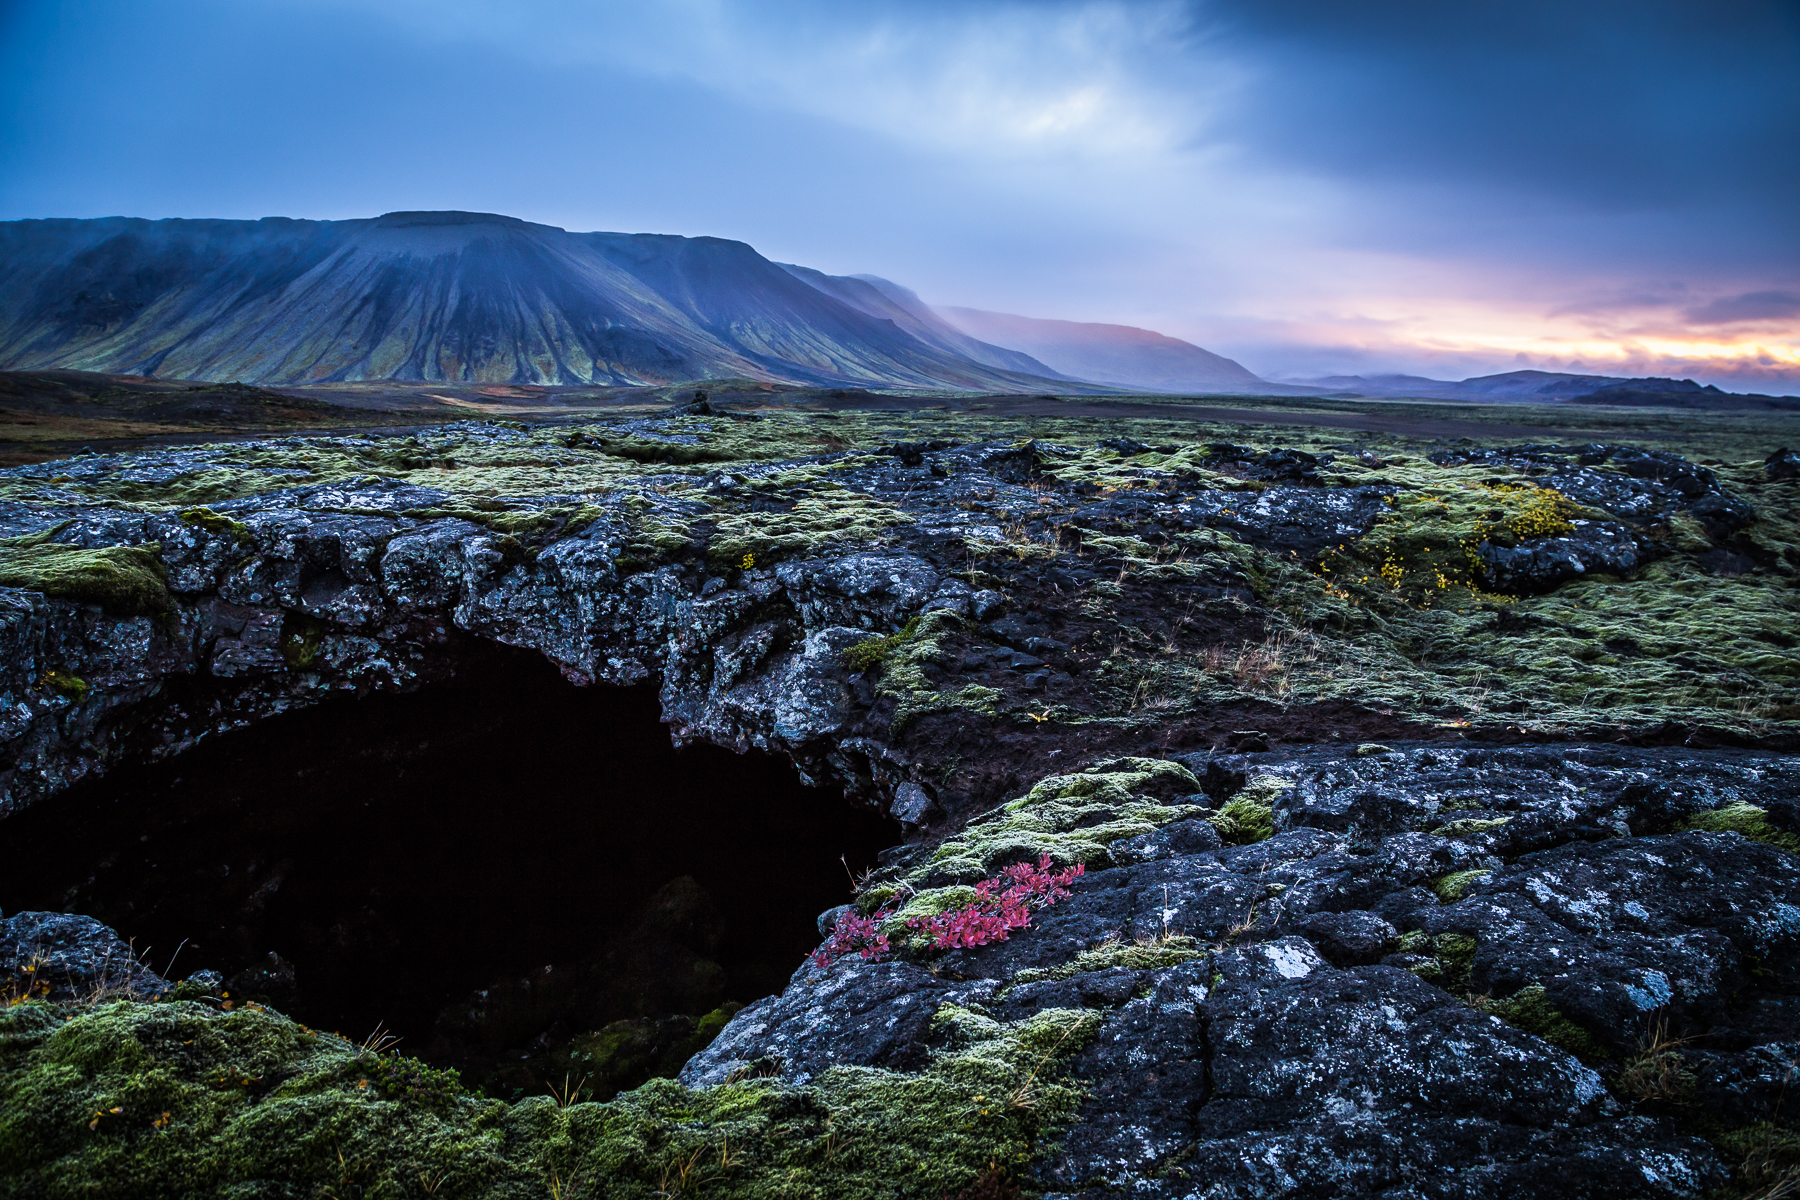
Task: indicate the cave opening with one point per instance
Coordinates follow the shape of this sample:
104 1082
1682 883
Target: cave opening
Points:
517 876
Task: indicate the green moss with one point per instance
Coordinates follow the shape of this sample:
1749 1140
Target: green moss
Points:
1243 821
1447 957
1456 953
1530 1009
660 536
824 513
930 903
870 654
403 1078
301 638
1428 543
874 899
713 1023
534 524
631 1052
178 1099
1069 817
580 518
1250 815
1117 782
1746 820
124 580
62 682
694 441
212 522
1450 888
1134 956
904 677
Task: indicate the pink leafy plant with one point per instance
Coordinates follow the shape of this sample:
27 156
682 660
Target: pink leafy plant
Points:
854 935
1001 905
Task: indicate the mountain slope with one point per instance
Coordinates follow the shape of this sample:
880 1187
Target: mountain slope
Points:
436 296
1122 355
887 300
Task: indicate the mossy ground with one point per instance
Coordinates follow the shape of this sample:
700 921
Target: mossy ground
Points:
1447 958
248 1104
125 580
1746 820
180 1099
1167 952
1072 819
1393 621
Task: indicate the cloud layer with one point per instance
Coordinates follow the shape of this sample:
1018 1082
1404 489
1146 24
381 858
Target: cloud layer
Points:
1308 187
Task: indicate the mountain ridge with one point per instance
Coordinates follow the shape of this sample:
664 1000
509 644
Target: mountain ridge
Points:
438 296
887 300
1121 355
1555 387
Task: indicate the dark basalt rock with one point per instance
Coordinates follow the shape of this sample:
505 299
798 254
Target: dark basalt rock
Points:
1541 566
1293 1062
62 956
867 1014
1430 977
1348 939
1289 520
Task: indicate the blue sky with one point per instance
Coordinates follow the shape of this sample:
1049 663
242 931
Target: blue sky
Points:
1309 187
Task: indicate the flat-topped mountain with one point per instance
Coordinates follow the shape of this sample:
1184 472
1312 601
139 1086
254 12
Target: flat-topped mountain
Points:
443 296
1123 355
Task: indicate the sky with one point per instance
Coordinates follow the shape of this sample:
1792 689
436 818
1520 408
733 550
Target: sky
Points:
1310 187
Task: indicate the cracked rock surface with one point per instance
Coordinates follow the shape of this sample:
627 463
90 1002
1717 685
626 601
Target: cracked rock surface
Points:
1438 833
1337 1026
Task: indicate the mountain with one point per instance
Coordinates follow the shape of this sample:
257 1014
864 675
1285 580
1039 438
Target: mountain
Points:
1381 385
442 296
1122 355
889 301
1555 387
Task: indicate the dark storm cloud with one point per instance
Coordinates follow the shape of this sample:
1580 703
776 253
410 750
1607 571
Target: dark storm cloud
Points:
1614 101
1612 106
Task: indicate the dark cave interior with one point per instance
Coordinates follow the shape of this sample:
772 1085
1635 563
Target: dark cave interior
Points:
504 835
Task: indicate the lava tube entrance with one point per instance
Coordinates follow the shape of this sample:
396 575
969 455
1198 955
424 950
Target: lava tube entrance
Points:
495 868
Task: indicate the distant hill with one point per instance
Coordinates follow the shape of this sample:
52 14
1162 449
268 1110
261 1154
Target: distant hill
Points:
889 301
443 296
1122 355
1551 387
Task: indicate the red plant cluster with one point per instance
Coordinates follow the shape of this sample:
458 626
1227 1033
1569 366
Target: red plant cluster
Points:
854 935
1002 904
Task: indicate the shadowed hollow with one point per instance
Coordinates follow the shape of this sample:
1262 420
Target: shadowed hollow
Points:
401 852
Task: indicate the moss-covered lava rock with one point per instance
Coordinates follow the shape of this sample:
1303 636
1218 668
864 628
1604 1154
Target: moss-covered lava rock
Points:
1415 786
